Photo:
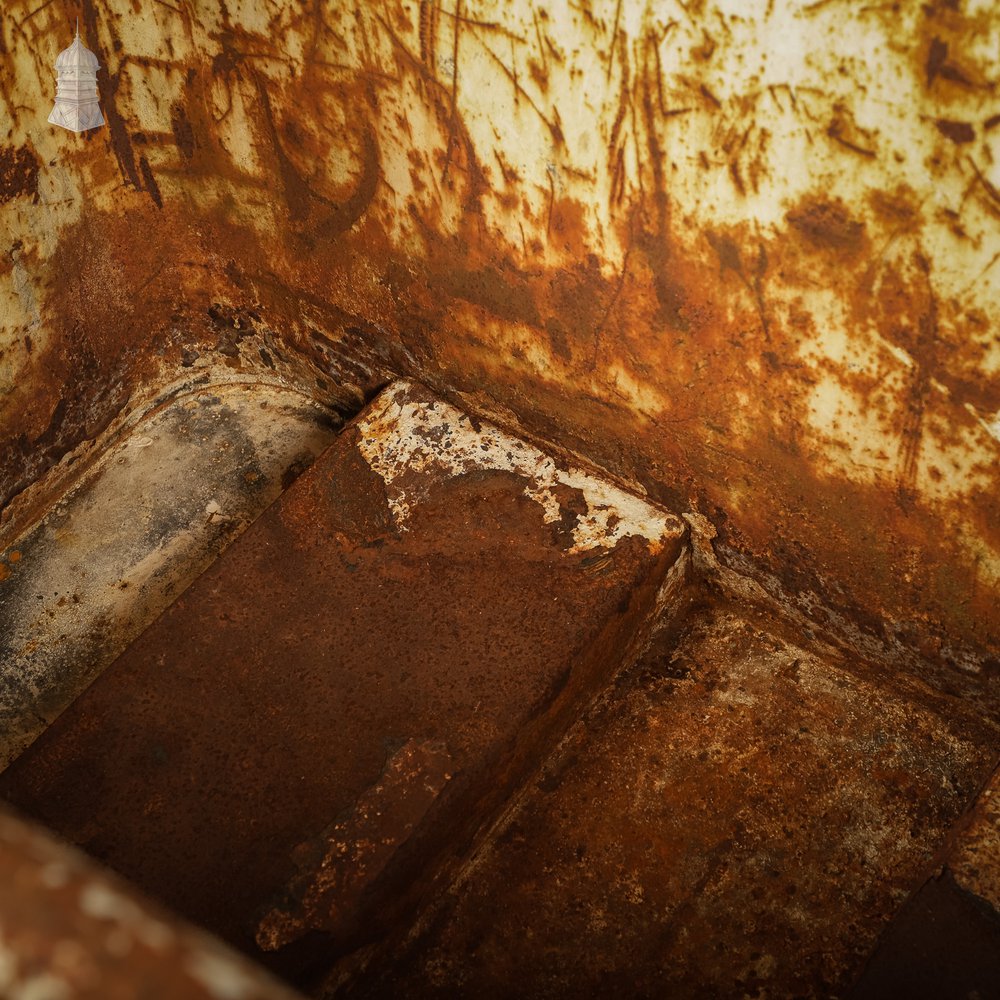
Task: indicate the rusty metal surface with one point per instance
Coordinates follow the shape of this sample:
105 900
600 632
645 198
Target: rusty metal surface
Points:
746 257
428 579
151 510
942 945
740 816
72 931
944 942
357 850
974 860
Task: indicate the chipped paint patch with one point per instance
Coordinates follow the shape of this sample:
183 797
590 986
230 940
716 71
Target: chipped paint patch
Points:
403 435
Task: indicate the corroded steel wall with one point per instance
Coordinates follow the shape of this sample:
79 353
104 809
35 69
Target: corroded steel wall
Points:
747 255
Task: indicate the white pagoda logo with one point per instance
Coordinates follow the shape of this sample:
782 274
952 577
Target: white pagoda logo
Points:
76 95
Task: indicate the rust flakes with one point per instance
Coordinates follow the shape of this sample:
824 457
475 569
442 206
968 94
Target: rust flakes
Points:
18 174
233 325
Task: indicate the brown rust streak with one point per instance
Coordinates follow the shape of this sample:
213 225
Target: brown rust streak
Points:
990 191
925 358
835 130
107 85
655 242
427 29
614 39
454 82
453 122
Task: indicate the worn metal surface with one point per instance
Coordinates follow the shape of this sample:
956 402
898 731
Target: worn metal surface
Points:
746 256
942 945
72 931
974 860
350 856
144 519
740 816
428 579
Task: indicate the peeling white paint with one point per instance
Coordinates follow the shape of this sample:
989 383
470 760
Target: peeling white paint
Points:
403 433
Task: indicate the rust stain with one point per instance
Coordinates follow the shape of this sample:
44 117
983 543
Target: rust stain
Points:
108 83
827 225
571 280
959 132
18 174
